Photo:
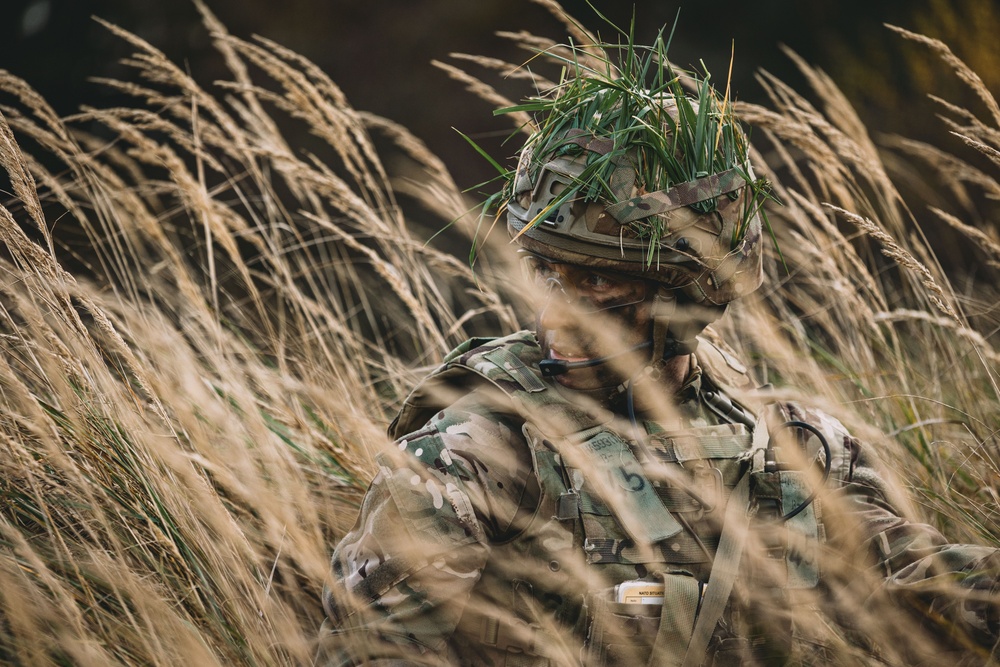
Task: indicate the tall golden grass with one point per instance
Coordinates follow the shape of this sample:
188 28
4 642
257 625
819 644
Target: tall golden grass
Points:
205 331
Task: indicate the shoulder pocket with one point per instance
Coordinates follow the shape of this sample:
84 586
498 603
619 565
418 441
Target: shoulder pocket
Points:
426 485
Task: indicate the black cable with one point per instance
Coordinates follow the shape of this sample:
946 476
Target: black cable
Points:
637 434
828 465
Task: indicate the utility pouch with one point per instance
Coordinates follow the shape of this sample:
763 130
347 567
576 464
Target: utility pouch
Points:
731 652
621 634
644 634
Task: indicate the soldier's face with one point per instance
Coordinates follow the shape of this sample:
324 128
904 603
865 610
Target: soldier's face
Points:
587 314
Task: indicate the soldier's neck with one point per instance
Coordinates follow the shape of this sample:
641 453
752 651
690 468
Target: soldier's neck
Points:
658 394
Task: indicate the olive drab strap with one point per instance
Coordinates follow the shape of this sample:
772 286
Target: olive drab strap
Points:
729 554
630 209
676 620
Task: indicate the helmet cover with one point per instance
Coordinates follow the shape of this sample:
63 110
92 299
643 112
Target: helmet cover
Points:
642 179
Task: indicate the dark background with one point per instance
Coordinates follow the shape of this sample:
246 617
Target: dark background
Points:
379 51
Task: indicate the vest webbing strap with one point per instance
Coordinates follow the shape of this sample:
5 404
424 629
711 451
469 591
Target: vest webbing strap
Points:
680 596
680 549
675 499
724 571
512 635
694 448
521 374
727 559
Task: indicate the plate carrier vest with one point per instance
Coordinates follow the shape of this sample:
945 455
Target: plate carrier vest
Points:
733 459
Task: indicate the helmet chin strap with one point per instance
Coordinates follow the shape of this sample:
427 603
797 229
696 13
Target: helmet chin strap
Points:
675 329
553 367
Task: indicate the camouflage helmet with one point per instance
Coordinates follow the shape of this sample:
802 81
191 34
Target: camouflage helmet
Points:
649 182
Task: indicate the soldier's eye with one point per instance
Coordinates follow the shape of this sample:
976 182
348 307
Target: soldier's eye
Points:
545 272
540 272
598 282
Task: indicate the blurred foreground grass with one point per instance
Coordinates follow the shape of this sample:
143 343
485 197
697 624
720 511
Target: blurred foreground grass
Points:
205 331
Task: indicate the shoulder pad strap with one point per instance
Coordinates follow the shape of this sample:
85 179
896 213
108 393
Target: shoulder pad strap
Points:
505 363
466 346
720 364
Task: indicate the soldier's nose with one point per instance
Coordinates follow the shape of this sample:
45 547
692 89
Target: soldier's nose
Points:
556 313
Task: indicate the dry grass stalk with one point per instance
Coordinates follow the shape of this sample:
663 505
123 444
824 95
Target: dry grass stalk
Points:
187 426
983 240
961 69
577 33
486 92
975 338
508 70
990 152
952 173
891 249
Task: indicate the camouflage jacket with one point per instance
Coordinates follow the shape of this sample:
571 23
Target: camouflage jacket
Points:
500 529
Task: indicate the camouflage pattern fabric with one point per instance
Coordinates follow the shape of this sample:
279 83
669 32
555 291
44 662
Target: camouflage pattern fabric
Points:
684 194
712 258
486 539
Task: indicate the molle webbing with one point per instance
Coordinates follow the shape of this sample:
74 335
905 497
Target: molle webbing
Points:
722 442
673 498
682 549
583 440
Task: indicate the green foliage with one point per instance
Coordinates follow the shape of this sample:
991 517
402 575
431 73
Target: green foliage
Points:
632 95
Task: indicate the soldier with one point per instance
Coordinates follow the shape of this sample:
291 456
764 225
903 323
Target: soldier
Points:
608 489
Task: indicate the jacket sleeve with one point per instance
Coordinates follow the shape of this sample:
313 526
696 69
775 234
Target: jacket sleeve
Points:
403 575
895 564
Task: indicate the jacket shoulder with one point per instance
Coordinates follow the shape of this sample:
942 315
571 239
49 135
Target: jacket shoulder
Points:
509 363
721 364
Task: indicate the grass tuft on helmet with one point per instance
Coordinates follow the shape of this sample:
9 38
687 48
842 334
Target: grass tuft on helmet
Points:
638 167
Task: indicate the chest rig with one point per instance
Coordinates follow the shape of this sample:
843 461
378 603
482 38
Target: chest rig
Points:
604 517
